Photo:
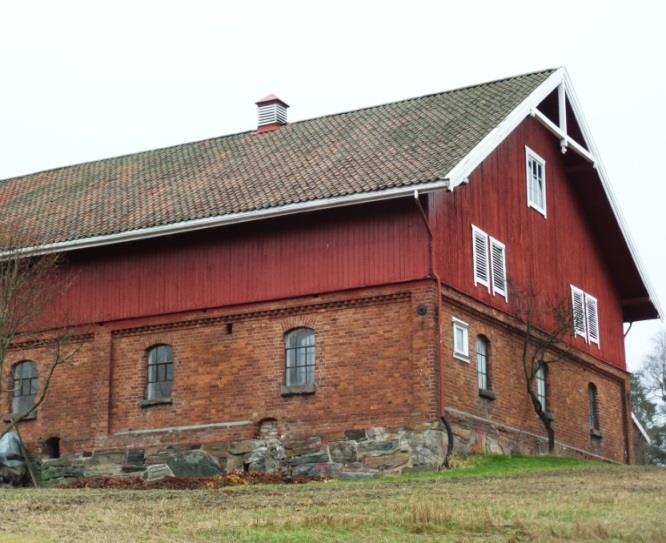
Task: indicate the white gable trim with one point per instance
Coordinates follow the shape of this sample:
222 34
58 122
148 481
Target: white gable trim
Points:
460 173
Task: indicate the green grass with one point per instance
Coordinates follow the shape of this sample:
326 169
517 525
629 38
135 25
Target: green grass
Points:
486 499
499 465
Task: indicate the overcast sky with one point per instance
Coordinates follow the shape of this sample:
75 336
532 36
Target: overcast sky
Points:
82 80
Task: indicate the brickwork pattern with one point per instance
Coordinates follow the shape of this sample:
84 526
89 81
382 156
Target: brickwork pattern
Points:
567 386
375 365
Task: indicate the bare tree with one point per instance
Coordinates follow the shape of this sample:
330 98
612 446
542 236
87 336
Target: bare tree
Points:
28 288
545 327
654 371
649 398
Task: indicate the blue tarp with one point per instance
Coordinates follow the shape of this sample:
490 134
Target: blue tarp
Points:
10 450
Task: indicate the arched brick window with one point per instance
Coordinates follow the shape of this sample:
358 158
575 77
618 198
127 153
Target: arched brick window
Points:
24 388
593 401
299 345
482 362
160 372
541 378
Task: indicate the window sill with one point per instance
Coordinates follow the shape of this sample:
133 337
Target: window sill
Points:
152 403
487 394
295 390
550 416
538 209
461 357
595 434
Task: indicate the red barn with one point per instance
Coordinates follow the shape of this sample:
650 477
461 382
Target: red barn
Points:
333 295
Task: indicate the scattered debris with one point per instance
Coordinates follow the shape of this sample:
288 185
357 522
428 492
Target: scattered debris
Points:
189 483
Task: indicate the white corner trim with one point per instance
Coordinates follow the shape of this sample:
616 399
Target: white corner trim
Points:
232 218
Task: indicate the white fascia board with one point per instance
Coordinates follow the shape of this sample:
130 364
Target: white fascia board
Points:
640 428
232 218
603 175
459 173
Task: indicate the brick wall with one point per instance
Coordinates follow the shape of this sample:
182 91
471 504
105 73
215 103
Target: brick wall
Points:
512 409
375 366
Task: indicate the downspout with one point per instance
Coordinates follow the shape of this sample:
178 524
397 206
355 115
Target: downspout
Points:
432 273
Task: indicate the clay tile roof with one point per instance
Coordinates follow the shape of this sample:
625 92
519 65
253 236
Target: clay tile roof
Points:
392 145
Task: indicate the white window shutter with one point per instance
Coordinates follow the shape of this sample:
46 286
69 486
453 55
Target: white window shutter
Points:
498 267
578 312
592 319
480 254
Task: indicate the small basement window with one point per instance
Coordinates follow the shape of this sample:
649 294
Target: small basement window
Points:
52 447
460 340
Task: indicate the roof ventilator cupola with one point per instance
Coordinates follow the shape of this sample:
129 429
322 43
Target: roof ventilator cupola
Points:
272 113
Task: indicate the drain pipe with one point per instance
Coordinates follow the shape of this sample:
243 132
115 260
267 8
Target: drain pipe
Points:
433 274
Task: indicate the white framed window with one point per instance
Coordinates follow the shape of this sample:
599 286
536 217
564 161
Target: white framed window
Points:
489 262
536 181
585 315
460 340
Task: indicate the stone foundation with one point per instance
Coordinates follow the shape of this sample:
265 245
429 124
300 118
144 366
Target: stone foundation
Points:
361 454
474 435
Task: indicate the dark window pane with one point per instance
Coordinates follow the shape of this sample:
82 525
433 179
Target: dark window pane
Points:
299 357
160 372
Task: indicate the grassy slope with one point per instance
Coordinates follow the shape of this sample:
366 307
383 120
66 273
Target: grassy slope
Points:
490 499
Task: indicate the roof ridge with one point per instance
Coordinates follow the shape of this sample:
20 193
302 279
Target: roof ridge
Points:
427 95
235 134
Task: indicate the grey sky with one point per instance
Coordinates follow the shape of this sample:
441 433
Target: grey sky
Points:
82 80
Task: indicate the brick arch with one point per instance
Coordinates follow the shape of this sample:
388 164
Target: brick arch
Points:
299 321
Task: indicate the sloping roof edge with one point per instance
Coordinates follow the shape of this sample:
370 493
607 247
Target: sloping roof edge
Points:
459 173
233 218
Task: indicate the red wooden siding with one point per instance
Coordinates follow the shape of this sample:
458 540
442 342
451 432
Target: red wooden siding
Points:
547 253
293 256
